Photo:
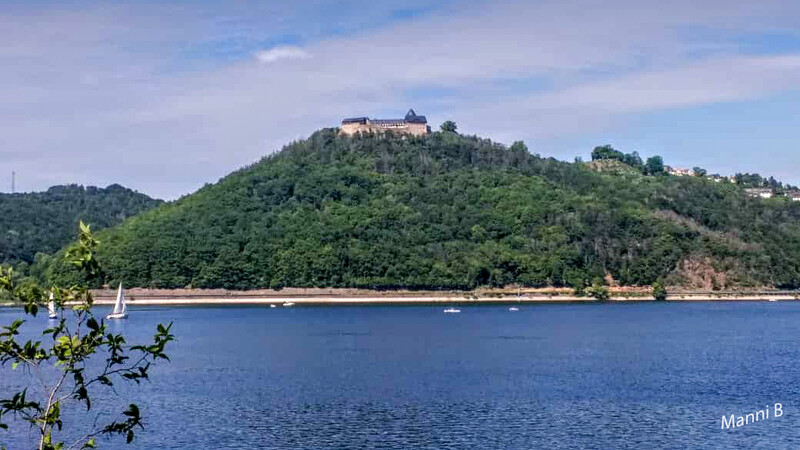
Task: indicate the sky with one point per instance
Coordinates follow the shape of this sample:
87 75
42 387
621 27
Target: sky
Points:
164 97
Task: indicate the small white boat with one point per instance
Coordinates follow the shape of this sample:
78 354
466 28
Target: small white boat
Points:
272 306
51 308
288 304
120 309
452 311
519 299
773 299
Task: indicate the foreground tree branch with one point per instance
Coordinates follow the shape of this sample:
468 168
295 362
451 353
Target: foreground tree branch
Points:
70 344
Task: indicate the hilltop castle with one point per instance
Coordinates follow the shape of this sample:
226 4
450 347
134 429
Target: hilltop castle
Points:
411 124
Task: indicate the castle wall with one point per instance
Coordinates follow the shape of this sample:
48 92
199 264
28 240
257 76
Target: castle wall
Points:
353 128
418 129
415 129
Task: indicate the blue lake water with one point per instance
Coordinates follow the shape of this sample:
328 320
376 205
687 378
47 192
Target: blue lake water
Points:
594 376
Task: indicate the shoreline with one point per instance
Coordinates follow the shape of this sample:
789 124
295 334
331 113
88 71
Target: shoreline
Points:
347 296
343 296
414 300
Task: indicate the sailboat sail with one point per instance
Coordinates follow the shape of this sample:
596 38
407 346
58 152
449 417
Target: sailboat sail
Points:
119 306
51 306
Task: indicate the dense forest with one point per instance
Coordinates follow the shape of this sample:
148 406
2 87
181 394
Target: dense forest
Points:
453 211
44 222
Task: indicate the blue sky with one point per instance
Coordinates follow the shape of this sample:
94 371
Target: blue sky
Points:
164 97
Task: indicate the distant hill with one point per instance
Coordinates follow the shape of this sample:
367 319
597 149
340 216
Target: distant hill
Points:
452 211
44 222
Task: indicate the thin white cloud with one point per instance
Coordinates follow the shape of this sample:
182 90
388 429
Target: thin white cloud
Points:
706 82
284 52
590 106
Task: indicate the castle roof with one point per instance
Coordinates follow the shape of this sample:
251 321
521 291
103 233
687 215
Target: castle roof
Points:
411 117
355 120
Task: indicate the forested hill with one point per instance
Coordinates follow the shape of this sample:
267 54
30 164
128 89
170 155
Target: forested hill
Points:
447 210
44 222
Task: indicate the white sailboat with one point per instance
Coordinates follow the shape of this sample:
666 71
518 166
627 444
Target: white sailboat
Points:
120 309
51 308
519 299
452 310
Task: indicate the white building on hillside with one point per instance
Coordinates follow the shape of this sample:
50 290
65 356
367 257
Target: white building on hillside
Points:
760 192
678 172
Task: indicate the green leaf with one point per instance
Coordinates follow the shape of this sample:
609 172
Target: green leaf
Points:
92 324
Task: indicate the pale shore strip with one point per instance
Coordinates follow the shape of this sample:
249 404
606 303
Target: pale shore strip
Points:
278 301
343 296
182 298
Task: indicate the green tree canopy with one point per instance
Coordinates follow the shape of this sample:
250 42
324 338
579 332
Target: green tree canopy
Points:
659 290
654 165
519 147
449 127
447 211
43 222
607 152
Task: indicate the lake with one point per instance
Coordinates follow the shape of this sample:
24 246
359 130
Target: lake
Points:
596 376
